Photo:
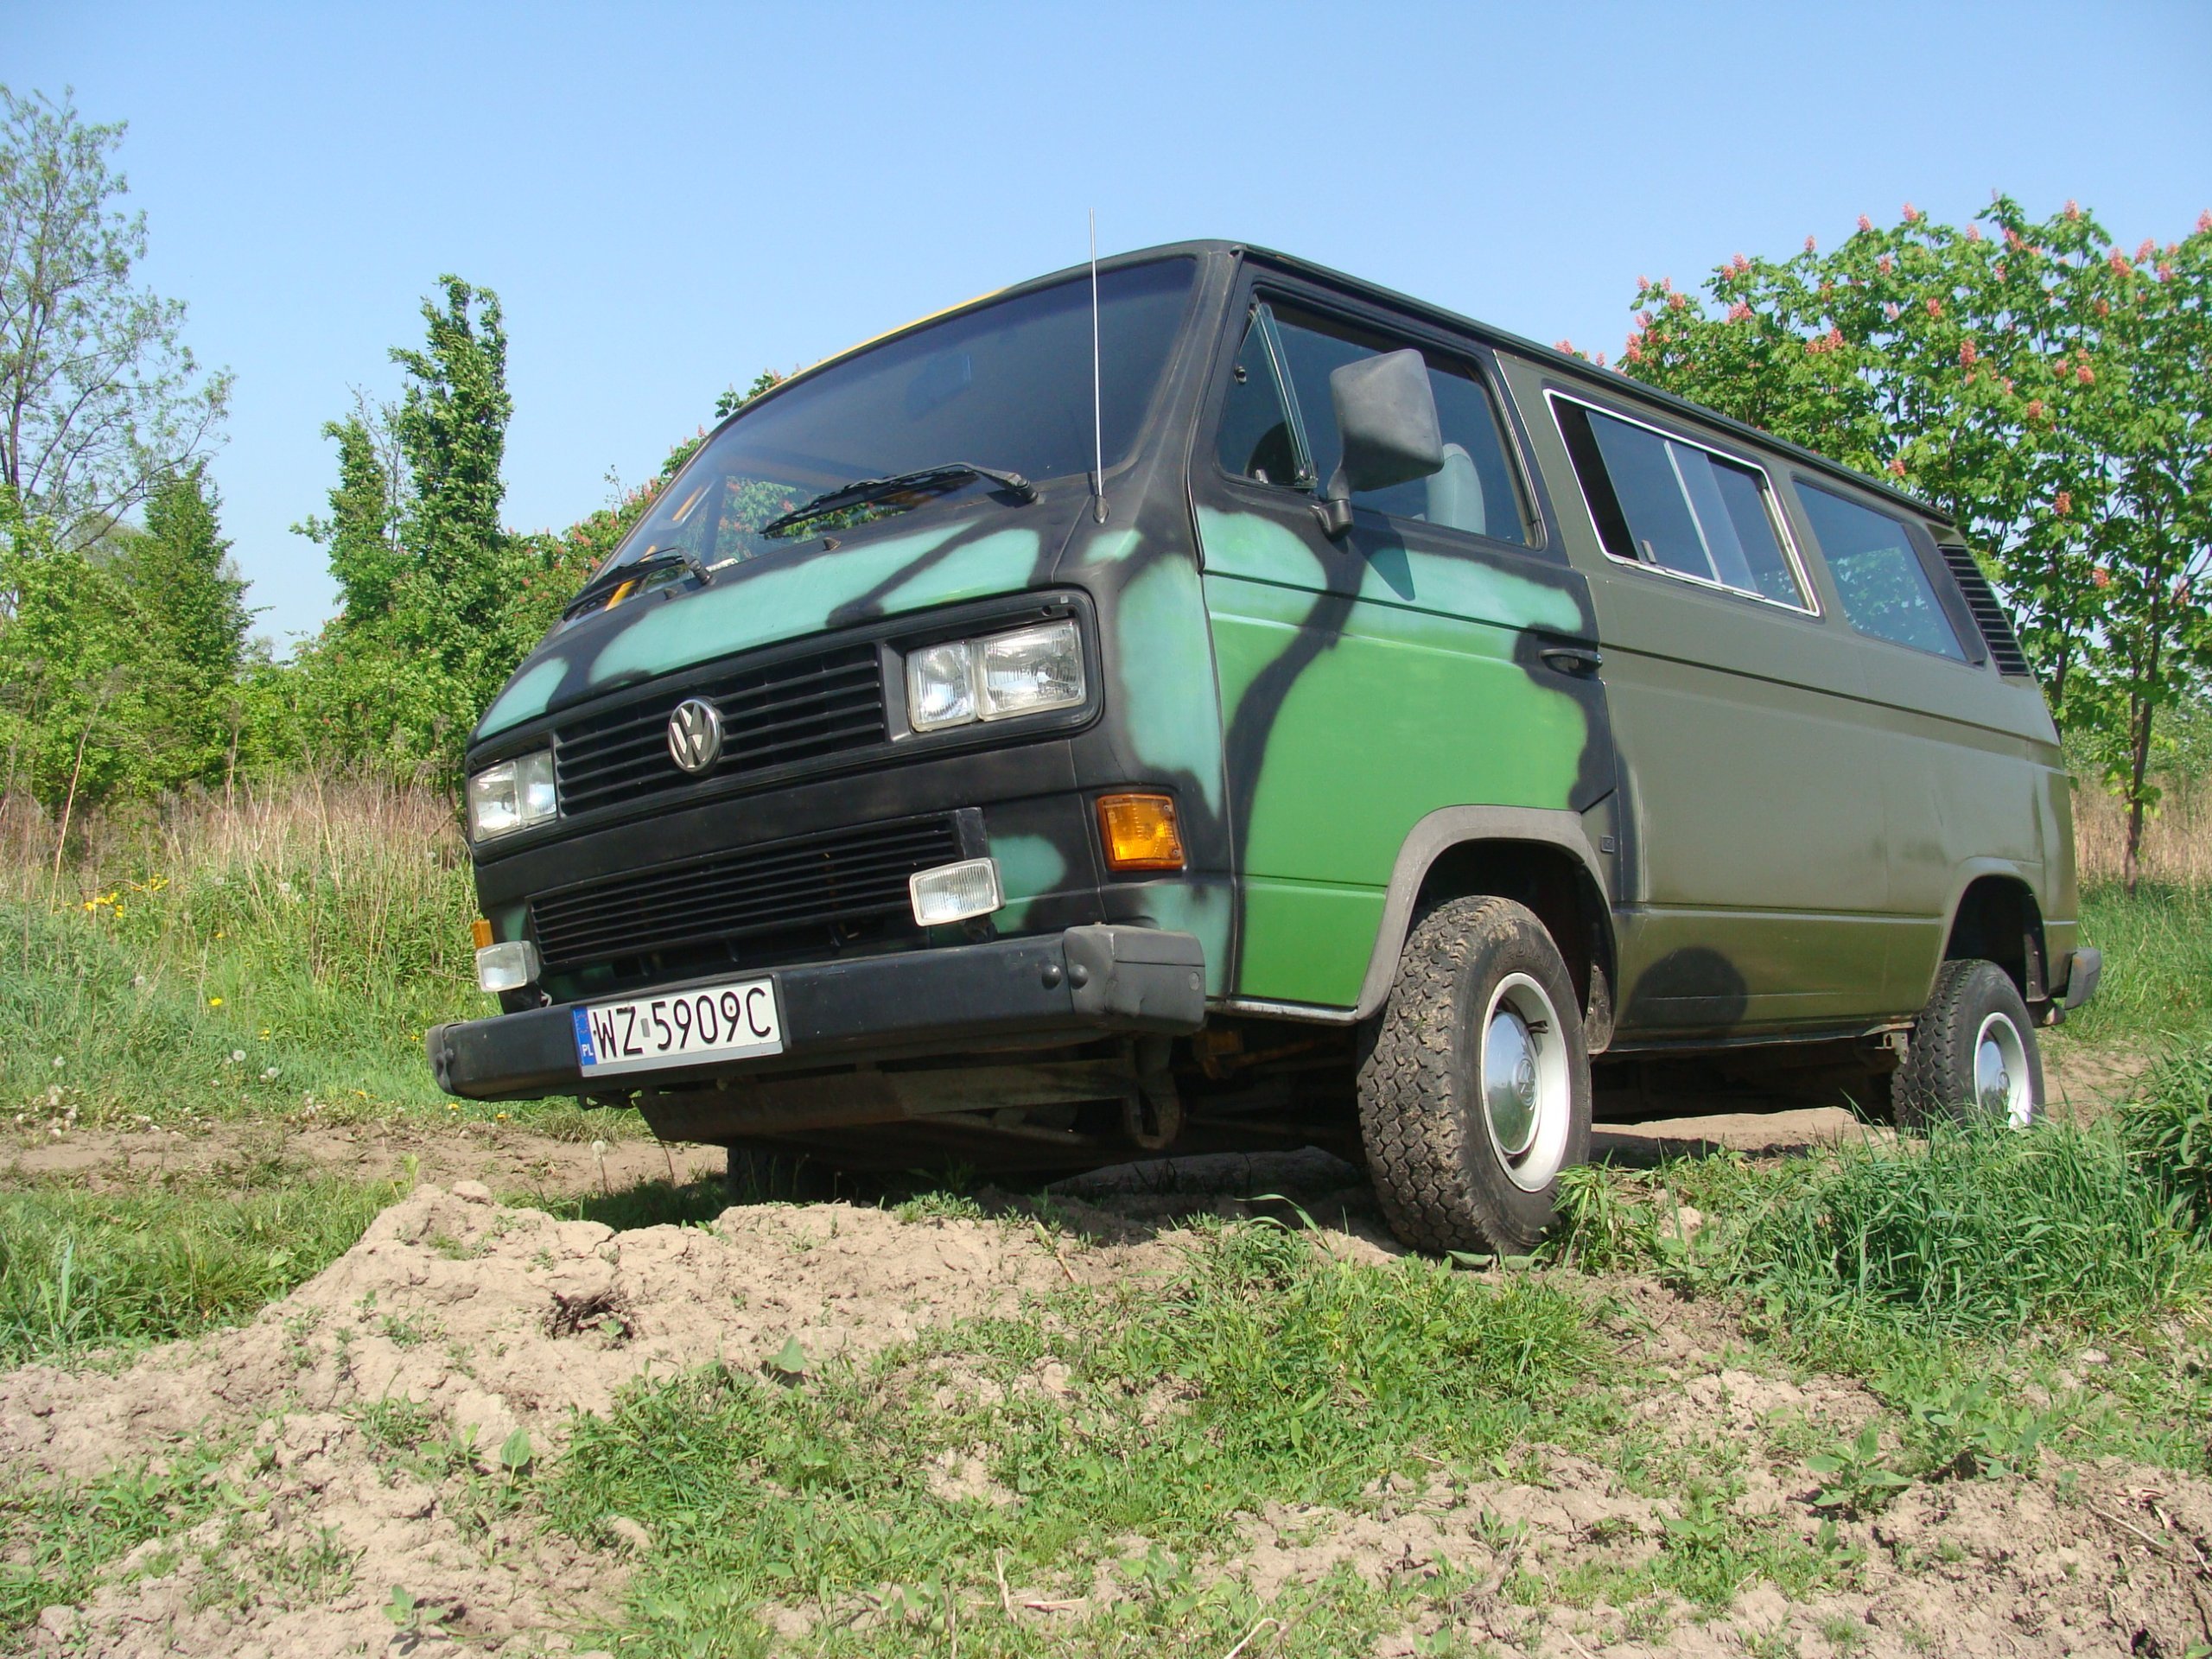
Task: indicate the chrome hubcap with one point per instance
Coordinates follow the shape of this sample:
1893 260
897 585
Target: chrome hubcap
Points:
2002 1087
1526 1089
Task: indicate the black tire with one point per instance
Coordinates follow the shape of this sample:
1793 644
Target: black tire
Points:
1432 1149
1937 1083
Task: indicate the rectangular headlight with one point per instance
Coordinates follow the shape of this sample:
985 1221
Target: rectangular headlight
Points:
941 686
1030 670
1022 672
954 892
508 966
512 796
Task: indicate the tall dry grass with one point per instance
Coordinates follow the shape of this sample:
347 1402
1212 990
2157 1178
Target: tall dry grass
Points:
2177 839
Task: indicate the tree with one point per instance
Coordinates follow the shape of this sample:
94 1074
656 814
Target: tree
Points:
189 603
100 397
362 533
2042 387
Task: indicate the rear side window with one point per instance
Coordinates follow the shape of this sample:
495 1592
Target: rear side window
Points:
1661 501
1884 589
1279 425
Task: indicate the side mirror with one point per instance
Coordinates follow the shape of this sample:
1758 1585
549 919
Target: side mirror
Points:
1386 418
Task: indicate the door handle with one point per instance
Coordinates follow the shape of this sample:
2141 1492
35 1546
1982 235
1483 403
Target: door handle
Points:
1571 659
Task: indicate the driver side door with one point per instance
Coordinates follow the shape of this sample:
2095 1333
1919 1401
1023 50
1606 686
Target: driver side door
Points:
1367 681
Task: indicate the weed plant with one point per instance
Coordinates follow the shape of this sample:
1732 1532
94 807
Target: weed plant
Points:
55 1539
2157 983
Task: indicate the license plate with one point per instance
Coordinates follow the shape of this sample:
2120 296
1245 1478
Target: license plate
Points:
714 1022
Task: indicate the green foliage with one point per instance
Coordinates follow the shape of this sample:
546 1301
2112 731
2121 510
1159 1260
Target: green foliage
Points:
1974 1232
189 605
2169 1134
82 1269
2157 974
103 399
1855 1475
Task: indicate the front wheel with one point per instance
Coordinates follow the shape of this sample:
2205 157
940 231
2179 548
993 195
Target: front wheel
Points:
1972 1057
1474 1084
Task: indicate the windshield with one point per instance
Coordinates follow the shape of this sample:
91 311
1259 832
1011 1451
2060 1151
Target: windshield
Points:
1004 386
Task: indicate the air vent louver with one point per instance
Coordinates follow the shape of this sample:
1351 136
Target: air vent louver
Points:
1988 611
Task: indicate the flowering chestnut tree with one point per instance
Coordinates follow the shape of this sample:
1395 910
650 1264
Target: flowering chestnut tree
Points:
2046 389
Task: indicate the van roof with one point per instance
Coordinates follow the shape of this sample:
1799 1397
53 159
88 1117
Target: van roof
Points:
1564 362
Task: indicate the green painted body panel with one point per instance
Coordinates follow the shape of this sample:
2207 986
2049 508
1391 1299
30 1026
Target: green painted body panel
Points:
1409 697
773 600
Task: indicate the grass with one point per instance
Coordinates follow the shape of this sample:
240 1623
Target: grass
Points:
55 1539
1266 1373
2156 985
79 1270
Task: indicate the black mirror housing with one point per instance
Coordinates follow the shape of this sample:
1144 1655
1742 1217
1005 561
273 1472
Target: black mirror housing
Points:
1386 418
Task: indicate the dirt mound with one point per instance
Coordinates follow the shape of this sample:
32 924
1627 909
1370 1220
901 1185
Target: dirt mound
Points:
453 1322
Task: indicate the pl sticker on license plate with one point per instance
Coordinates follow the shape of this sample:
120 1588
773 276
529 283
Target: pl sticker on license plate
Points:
713 1022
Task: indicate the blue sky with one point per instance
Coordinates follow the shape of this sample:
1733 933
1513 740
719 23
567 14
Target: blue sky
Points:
668 198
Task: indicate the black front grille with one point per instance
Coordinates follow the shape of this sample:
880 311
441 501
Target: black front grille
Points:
800 708
839 884
1988 611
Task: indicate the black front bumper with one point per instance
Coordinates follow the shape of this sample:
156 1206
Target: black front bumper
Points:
1053 988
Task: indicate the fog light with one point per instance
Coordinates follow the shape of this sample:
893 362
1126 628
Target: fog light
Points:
954 892
1140 832
506 967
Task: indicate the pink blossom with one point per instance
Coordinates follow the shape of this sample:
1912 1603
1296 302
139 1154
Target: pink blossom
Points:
2205 221
1739 264
1739 312
2104 308
1898 466
2119 262
1890 310
1810 245
2166 271
2008 383
2000 270
2148 246
2073 210
2035 408
1911 214
1884 264
1935 306
1567 345
1973 232
1636 348
1601 359
1967 353
1678 302
1835 339
2100 577
1864 223
1643 283
1644 319
2086 375
2063 503
2011 237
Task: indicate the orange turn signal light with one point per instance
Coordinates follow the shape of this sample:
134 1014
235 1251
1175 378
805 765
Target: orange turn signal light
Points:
480 930
1140 832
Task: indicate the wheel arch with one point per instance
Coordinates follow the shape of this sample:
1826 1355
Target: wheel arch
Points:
1996 916
1540 857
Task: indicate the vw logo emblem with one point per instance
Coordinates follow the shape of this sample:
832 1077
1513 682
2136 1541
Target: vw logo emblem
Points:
695 735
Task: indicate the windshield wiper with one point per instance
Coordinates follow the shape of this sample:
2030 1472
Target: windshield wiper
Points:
636 570
862 491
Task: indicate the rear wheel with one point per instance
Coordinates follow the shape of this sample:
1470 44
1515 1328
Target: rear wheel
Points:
1973 1056
1474 1084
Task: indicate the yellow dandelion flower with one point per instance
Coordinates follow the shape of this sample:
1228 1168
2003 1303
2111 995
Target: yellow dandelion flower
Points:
215 1001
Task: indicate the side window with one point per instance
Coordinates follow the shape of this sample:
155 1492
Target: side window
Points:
1659 502
1879 576
1268 424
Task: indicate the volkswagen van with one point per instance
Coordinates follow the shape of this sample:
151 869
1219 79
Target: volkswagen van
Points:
1212 702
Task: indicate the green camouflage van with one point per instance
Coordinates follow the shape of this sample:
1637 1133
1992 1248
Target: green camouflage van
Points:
1212 702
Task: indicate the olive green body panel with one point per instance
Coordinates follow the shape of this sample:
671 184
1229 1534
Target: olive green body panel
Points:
1802 805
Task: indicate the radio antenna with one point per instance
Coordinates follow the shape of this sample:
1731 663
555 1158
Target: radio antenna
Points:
1097 397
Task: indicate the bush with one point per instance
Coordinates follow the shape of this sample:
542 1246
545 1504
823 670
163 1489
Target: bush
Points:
1973 1232
2169 1135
